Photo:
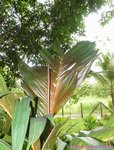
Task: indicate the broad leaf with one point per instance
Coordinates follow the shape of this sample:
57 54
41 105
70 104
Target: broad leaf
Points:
106 133
36 145
37 126
7 124
20 123
7 102
4 145
83 133
51 119
68 70
84 143
2 117
52 138
2 94
60 144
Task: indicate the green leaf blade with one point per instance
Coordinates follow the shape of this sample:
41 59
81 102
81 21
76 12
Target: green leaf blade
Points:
20 123
37 126
4 145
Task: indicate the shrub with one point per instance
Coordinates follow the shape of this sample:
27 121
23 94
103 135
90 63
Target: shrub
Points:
90 122
106 116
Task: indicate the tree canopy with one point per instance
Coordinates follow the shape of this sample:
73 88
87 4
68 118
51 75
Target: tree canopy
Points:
27 27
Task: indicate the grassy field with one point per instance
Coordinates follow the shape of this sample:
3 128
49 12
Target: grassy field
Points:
73 126
88 104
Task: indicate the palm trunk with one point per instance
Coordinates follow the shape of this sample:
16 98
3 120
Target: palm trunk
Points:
49 85
112 96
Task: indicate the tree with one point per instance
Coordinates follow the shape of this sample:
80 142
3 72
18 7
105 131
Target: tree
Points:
86 89
68 70
27 27
8 77
106 76
49 87
107 15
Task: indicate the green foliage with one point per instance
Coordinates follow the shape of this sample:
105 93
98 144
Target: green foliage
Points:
107 15
90 122
20 123
58 120
4 145
82 91
7 102
58 135
101 91
37 126
110 104
2 117
106 76
106 116
87 89
8 77
30 26
68 70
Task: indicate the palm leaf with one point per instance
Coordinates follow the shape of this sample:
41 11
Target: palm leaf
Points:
68 70
20 123
99 77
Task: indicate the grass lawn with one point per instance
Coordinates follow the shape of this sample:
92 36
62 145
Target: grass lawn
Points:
73 126
88 104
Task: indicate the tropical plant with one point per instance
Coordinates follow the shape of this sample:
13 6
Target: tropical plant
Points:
7 98
86 89
27 26
53 85
8 77
57 139
7 104
106 76
90 122
49 88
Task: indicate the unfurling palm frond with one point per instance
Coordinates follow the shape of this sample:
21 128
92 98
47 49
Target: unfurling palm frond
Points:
67 71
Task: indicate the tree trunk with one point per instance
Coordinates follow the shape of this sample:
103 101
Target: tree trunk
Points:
112 96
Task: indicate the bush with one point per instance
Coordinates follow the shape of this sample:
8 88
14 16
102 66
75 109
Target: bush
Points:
90 122
106 116
90 90
59 120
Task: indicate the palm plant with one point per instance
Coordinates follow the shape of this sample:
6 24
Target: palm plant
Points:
67 74
53 84
106 76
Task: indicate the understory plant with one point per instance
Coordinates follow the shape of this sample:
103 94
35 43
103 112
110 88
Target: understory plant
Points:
90 122
48 88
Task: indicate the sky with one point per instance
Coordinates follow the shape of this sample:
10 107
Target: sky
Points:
104 36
